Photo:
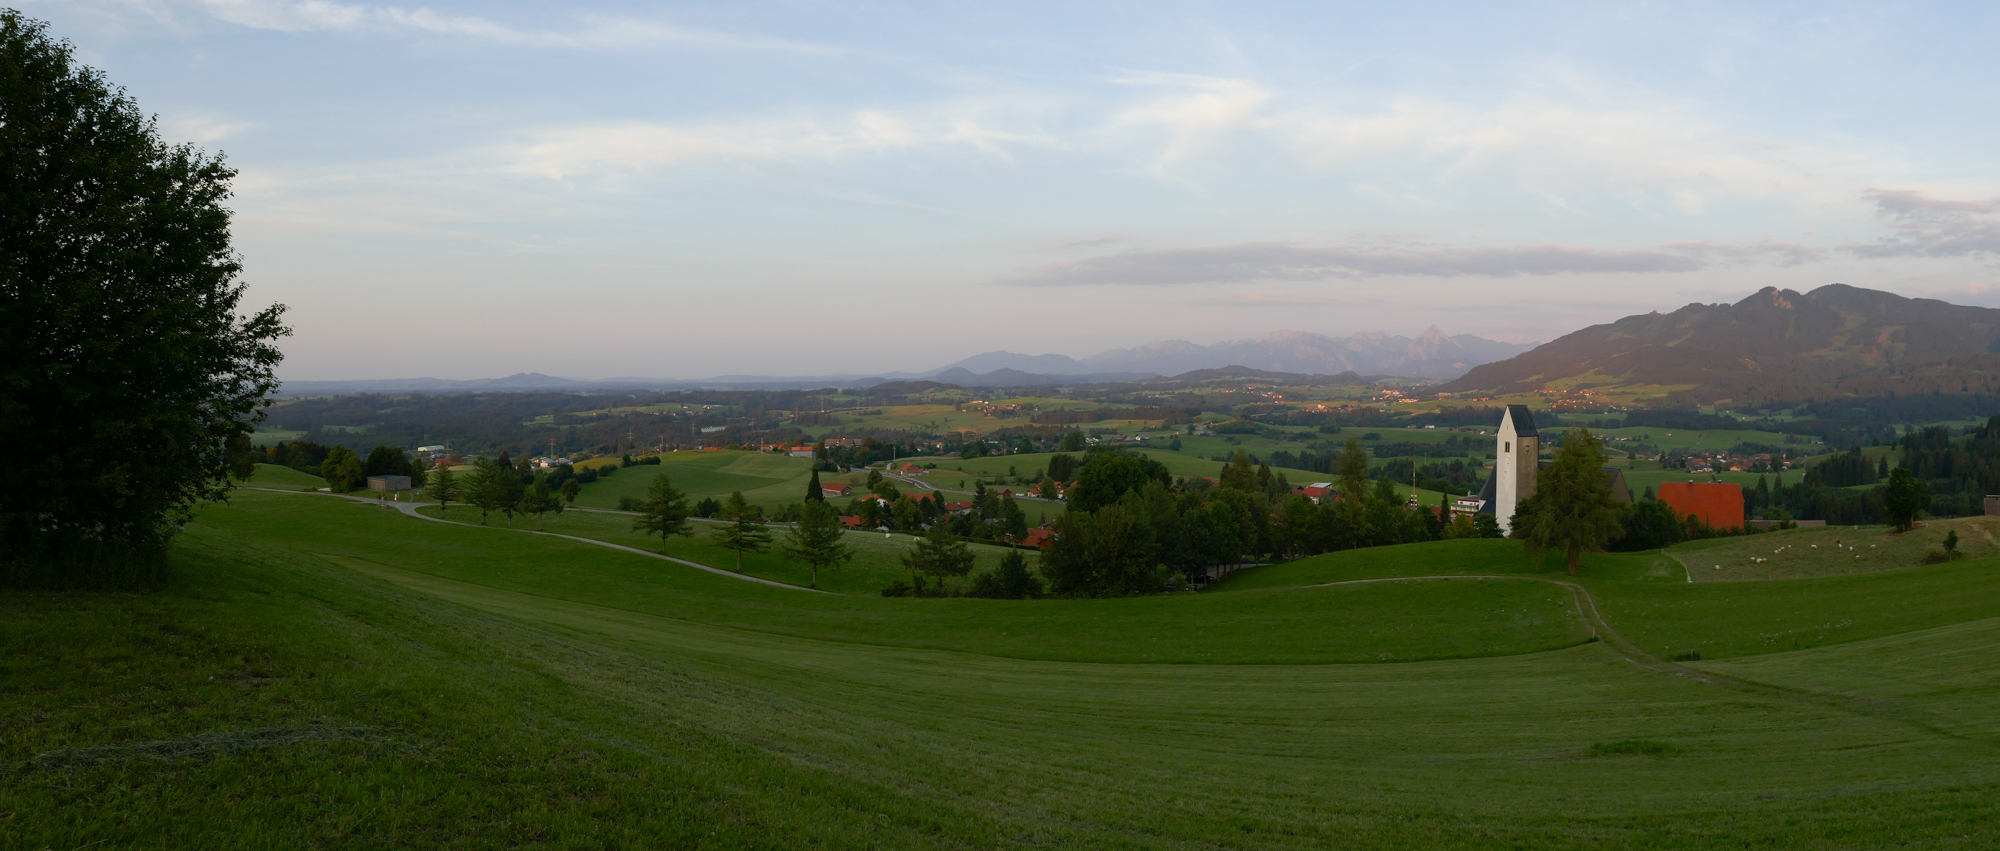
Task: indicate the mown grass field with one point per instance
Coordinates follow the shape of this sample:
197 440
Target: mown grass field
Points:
325 673
1833 550
877 561
765 478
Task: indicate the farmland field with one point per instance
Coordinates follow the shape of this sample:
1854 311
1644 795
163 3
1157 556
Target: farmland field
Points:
323 672
765 478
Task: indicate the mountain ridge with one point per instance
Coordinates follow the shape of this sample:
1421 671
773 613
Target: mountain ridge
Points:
1431 354
1774 347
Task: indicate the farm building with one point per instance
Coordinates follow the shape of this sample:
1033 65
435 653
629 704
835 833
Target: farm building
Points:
835 490
1719 504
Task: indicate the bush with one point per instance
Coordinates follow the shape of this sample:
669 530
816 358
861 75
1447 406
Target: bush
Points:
628 503
1630 747
898 588
1942 556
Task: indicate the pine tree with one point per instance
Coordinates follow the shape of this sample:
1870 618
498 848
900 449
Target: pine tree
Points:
940 555
815 539
665 511
539 499
745 531
443 487
813 493
483 488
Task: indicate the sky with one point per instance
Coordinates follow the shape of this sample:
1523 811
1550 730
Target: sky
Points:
687 190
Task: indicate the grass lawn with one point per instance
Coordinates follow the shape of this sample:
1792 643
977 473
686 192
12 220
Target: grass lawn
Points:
765 478
1832 550
877 562
323 673
274 476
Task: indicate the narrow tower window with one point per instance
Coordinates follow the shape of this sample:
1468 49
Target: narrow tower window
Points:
1506 447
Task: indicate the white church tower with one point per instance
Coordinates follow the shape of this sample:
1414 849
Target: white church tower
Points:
1516 461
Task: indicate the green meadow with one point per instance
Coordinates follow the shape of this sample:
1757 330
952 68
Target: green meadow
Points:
326 673
765 478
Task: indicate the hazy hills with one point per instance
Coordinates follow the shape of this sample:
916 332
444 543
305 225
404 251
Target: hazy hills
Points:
1775 347
1431 354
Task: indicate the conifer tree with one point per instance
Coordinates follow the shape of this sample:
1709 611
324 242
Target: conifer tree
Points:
443 486
745 531
815 540
665 511
813 493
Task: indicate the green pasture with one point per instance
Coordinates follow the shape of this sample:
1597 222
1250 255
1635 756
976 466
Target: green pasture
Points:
765 478
275 476
877 561
956 474
325 673
1833 550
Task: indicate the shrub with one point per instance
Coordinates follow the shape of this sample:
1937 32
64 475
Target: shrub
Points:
1942 556
1630 747
898 588
628 503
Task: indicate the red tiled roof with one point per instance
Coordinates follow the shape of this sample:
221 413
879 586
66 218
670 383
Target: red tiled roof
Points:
1719 504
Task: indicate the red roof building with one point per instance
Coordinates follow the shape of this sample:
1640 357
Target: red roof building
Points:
850 521
1718 504
1042 538
835 490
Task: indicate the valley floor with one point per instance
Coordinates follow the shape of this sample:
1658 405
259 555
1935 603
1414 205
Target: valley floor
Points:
328 674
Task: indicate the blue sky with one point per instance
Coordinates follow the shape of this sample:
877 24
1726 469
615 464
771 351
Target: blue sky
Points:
470 190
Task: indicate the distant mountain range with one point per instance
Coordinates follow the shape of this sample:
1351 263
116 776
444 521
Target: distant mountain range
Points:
1776 347
1291 353
1431 354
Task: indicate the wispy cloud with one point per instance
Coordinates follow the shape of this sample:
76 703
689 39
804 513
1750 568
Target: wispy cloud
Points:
1929 227
566 152
1279 261
597 32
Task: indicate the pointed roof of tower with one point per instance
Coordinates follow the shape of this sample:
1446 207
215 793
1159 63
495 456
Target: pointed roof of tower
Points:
1524 421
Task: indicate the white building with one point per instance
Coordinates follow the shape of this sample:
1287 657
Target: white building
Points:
1516 463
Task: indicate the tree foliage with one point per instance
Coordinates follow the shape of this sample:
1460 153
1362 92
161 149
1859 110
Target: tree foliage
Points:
128 372
815 540
745 530
665 511
1574 510
1903 499
939 555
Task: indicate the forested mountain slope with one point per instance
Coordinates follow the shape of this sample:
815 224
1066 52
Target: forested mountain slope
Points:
1776 347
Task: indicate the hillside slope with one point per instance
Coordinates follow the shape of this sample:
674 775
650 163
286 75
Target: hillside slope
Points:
1777 346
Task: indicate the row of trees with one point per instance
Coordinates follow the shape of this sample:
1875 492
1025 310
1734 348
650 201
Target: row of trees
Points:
494 484
814 540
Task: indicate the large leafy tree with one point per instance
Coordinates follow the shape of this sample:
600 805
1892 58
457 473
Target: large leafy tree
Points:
1574 510
1108 475
1903 498
126 369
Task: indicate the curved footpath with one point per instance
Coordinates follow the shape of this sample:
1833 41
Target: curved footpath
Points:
1586 608
410 508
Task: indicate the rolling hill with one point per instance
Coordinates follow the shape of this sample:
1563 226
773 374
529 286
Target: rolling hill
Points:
1775 347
